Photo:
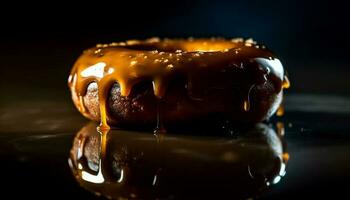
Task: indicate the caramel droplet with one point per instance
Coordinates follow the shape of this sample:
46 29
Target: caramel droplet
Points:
246 105
280 110
286 83
285 157
280 128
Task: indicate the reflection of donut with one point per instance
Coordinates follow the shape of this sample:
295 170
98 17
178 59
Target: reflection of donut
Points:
191 79
136 164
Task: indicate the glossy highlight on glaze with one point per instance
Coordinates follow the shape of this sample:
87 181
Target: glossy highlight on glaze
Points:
162 61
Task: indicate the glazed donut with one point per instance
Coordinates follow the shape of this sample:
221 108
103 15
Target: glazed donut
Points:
172 81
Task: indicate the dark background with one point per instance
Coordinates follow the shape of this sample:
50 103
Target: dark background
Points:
42 40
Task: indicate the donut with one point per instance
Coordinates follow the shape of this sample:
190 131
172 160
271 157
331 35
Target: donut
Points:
166 82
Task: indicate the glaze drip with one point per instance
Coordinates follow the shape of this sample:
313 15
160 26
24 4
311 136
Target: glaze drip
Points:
285 83
246 103
159 130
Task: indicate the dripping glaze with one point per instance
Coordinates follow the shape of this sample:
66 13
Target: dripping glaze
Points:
160 61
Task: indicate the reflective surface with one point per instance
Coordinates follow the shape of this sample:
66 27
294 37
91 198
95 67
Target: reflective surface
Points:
36 139
124 164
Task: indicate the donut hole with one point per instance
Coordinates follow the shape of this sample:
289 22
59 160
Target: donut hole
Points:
173 46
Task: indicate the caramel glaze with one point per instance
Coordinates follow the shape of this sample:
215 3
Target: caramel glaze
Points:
203 63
